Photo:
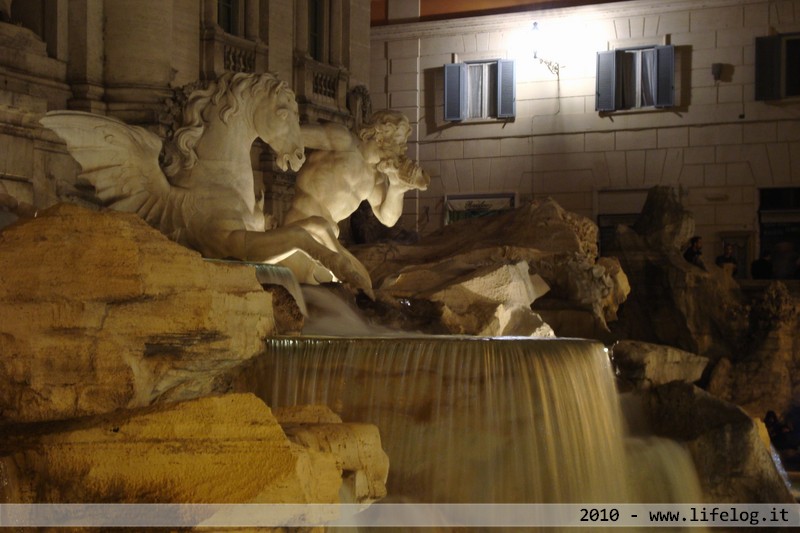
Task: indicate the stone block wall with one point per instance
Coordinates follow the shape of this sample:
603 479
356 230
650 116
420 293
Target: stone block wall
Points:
718 145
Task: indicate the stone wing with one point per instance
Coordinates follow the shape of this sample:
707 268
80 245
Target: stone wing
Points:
119 160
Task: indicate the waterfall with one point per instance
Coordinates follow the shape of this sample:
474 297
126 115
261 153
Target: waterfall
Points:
466 419
331 315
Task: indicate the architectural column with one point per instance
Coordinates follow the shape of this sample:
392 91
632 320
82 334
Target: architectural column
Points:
209 13
251 20
138 58
85 68
56 24
281 39
301 27
336 33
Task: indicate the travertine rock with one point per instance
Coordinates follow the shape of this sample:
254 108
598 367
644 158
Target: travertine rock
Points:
358 453
646 365
733 464
676 303
664 223
559 247
356 448
764 377
306 414
223 449
490 301
11 209
99 311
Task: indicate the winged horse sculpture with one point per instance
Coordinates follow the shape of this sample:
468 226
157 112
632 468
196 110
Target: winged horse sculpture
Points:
203 197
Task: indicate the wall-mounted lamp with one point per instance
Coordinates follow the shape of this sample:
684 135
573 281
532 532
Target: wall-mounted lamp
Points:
716 71
536 42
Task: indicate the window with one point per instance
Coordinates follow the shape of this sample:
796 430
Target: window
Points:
228 16
479 90
778 66
316 30
635 78
463 206
779 224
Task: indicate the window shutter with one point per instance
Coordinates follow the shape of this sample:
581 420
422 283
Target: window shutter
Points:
455 91
506 89
665 67
606 86
768 67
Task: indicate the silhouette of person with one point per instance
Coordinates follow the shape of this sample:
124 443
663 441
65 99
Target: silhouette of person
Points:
727 261
694 251
761 268
785 260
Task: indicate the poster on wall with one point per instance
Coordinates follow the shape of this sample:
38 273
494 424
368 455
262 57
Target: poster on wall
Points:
463 206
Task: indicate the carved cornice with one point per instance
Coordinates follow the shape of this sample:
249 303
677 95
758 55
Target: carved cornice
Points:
483 23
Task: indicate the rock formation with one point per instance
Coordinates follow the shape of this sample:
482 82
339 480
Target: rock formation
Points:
114 347
12 209
99 311
456 274
646 365
356 447
764 376
733 462
223 449
672 302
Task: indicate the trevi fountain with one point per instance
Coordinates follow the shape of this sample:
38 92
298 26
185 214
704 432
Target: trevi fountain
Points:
173 347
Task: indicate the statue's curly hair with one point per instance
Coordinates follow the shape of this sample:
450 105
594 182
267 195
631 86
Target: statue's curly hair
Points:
383 125
227 94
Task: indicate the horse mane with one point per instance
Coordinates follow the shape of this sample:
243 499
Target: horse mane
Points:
228 93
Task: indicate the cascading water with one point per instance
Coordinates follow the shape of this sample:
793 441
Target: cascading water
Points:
474 420
466 419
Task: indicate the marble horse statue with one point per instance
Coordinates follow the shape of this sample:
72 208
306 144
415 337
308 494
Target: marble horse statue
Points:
202 195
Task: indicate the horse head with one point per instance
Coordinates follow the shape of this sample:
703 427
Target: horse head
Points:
261 101
277 123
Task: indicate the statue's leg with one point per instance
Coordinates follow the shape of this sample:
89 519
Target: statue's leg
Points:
326 232
323 230
280 242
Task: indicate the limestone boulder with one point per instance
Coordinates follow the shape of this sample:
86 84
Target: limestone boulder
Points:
559 248
664 223
733 463
99 311
218 449
764 376
673 302
356 448
646 365
490 301
12 209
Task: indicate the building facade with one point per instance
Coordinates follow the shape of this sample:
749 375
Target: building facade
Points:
609 100
126 58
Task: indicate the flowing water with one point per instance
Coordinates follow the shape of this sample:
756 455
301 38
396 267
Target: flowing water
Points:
466 419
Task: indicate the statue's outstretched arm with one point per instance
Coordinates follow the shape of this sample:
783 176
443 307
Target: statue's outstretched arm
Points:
333 137
393 180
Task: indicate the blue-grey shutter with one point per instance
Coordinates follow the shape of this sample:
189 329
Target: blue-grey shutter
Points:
606 81
455 91
665 68
506 89
768 67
